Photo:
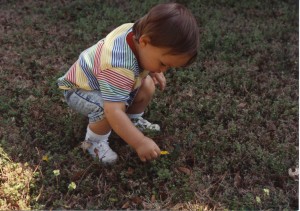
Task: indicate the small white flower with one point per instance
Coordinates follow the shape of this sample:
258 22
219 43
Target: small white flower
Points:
72 186
56 172
294 174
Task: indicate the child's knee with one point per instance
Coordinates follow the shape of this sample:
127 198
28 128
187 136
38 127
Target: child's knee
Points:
148 86
146 91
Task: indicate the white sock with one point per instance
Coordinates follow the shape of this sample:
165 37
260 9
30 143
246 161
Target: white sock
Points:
90 135
135 116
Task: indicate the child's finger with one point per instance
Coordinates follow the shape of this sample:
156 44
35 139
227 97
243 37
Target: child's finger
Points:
155 155
155 80
143 159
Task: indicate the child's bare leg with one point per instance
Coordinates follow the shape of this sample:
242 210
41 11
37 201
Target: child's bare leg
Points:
141 101
143 97
101 127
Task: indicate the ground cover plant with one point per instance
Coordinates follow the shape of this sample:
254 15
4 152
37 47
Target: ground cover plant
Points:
229 122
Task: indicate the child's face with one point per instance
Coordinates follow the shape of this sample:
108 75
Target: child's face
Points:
155 59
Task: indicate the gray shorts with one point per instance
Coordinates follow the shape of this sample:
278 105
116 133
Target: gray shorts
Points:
88 103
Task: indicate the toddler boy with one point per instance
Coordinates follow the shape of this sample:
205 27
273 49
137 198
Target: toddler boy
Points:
113 81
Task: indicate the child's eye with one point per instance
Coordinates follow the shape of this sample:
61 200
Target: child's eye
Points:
162 64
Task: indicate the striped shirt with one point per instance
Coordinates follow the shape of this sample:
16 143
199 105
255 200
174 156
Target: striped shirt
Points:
109 66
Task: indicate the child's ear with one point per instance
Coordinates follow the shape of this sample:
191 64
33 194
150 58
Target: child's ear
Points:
144 40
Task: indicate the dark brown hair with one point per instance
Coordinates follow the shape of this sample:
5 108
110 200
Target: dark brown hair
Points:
170 25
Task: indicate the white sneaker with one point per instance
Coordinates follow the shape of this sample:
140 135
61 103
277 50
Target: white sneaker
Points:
102 150
143 124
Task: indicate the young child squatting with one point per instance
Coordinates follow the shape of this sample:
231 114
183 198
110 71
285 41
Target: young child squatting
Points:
113 81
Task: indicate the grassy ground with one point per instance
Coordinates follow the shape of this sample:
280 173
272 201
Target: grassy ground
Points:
230 121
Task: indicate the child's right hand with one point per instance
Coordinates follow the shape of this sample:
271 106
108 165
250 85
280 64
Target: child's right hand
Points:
159 79
147 149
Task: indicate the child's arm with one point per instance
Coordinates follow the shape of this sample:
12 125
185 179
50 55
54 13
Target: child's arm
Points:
145 147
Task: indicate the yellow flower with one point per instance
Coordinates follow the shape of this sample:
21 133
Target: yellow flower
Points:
164 152
45 158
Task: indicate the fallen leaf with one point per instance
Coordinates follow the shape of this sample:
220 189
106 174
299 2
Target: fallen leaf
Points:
148 206
126 205
31 98
153 198
190 93
179 206
77 175
130 171
237 180
271 126
184 170
242 105
137 200
112 199
36 114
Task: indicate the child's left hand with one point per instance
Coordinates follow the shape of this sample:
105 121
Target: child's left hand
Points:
159 79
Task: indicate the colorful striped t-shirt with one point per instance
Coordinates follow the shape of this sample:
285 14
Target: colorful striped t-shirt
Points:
109 66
